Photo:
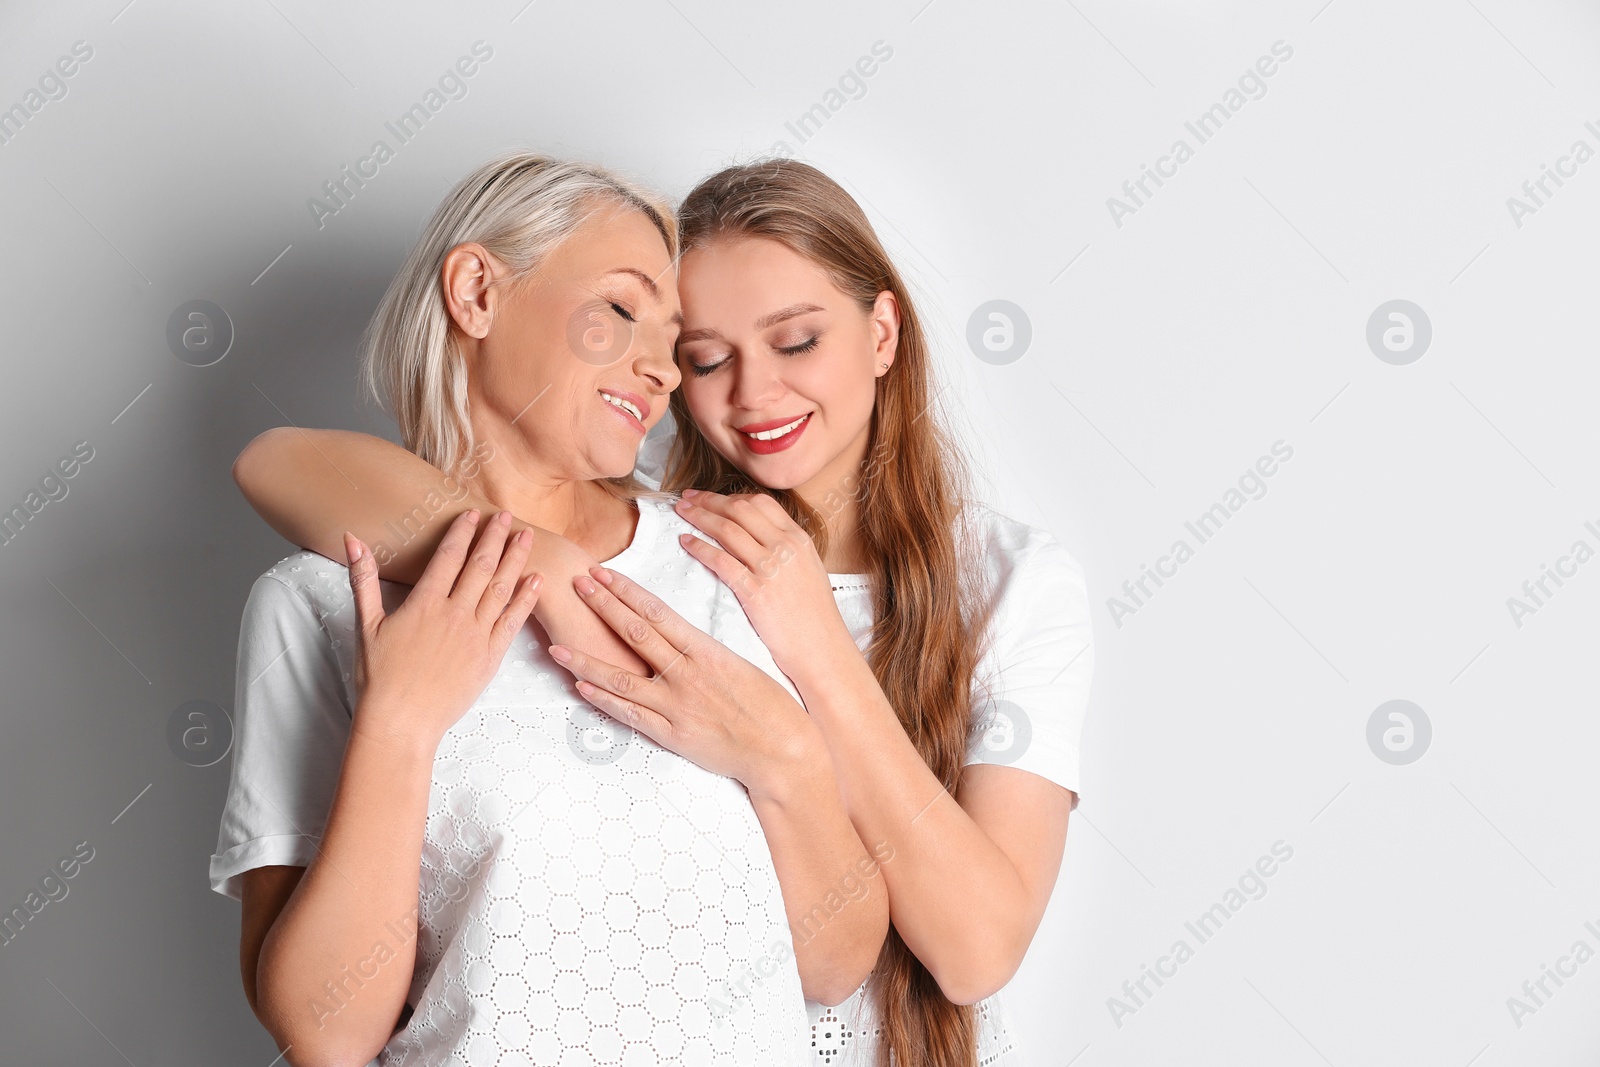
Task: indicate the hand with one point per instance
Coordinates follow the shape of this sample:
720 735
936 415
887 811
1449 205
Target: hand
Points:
420 669
772 566
563 614
704 703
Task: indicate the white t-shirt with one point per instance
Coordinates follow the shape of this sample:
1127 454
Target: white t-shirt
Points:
1030 698
586 896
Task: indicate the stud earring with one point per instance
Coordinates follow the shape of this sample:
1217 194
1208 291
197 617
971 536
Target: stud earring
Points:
885 366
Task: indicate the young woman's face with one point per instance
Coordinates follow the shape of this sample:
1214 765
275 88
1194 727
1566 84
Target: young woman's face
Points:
779 366
578 360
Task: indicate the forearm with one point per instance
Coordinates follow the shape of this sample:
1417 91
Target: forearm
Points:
325 989
837 904
956 899
313 485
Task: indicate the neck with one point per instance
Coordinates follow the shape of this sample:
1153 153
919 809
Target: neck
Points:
835 494
540 494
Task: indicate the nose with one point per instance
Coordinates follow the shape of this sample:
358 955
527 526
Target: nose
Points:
756 382
655 365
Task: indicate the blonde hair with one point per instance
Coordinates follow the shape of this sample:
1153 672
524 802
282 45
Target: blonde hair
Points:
520 206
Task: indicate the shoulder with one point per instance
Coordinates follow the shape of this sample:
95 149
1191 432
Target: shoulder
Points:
309 578
1013 557
316 584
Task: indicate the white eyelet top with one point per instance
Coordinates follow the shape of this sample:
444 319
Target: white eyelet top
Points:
587 897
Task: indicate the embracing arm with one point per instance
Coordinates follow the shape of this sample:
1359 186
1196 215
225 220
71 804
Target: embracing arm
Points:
714 707
972 874
313 485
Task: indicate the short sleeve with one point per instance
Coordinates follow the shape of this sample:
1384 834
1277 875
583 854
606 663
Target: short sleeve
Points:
291 723
1032 690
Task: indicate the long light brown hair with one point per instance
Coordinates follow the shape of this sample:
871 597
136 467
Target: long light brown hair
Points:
922 648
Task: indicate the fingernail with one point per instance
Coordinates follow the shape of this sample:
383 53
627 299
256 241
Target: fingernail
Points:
560 653
584 586
690 492
503 518
472 515
602 574
352 547
586 689
684 502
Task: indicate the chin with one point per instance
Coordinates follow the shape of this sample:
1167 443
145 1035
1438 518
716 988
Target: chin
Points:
776 472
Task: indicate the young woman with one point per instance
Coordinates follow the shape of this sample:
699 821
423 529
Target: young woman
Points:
574 892
942 650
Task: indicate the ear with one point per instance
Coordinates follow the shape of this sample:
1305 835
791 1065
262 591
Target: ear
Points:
467 275
885 325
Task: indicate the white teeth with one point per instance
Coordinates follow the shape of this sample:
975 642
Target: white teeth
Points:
623 404
773 435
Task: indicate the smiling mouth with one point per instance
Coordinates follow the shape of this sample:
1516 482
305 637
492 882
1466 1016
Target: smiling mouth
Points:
621 402
773 433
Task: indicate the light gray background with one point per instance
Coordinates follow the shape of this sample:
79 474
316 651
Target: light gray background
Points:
1167 354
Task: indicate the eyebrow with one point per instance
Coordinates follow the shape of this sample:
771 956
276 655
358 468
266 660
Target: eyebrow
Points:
650 287
764 322
785 313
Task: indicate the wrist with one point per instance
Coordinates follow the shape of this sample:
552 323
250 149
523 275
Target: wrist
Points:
394 727
829 658
795 772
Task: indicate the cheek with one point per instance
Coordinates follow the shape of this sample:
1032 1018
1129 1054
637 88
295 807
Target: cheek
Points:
845 388
707 404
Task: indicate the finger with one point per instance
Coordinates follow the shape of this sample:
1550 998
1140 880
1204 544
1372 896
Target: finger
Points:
720 562
653 725
483 560
639 633
679 635
610 677
729 534
516 612
364 584
503 583
752 512
440 574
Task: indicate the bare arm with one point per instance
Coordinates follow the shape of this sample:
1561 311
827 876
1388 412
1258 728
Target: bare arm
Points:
718 709
972 874
970 878
313 485
335 962
320 991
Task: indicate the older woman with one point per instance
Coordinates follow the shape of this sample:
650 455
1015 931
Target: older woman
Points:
414 765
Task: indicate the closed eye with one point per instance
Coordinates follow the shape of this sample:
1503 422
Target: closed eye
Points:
802 347
620 310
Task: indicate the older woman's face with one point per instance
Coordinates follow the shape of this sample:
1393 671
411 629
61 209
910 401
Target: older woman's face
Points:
579 359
